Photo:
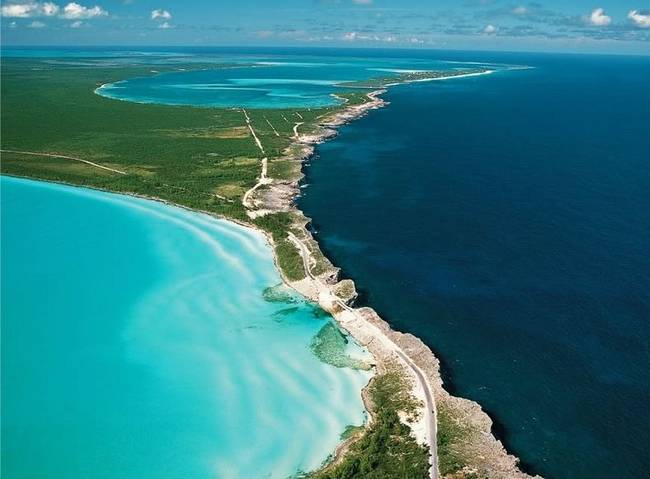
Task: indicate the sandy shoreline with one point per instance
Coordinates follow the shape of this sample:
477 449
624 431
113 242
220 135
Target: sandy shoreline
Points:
451 77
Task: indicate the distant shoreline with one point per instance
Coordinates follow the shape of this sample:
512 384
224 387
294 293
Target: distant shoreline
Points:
450 77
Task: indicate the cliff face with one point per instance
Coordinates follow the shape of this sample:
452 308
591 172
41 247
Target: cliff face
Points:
465 445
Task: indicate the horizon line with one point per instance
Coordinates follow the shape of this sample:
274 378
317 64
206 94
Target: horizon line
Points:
325 47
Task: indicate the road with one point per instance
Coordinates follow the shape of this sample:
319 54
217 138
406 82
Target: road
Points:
430 404
53 155
272 127
295 130
430 411
250 127
263 180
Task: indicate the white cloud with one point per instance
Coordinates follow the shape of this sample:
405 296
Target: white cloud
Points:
36 24
160 15
73 11
374 38
640 19
20 10
77 24
598 18
490 29
164 25
49 9
520 10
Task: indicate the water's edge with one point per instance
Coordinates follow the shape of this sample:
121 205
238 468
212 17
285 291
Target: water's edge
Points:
238 224
484 451
481 445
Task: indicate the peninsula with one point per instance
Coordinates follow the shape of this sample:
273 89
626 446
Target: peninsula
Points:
245 165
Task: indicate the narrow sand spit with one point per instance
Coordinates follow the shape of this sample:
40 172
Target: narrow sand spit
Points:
464 75
482 452
382 348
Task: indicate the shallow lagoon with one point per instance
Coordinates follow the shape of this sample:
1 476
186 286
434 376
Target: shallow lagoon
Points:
239 77
142 340
297 81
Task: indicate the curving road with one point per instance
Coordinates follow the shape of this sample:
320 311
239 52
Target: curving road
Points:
53 155
430 404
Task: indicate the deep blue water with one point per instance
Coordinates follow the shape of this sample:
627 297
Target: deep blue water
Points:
505 220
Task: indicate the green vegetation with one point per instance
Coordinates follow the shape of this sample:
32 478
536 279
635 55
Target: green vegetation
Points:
387 450
452 436
393 391
345 289
289 260
54 110
351 431
201 158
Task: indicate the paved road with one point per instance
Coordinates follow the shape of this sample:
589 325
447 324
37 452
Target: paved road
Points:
430 404
431 416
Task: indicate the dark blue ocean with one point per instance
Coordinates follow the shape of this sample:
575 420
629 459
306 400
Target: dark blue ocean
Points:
505 220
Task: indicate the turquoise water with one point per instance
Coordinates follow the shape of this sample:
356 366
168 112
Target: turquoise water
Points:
252 87
277 80
240 77
305 82
138 341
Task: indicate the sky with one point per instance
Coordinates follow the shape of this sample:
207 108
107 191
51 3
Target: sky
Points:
589 26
